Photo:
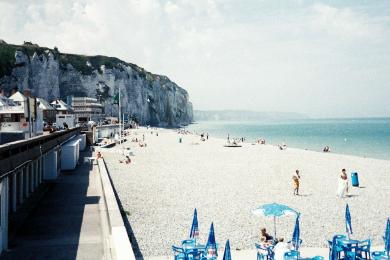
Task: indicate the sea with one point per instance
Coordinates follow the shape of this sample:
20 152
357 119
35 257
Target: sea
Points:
364 137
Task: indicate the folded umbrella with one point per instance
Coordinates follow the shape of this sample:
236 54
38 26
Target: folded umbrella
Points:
348 224
226 254
387 237
194 233
296 234
211 246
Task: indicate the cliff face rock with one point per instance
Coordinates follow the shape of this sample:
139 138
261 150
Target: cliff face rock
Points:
151 99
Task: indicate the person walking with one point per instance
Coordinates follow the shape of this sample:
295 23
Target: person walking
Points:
342 189
296 177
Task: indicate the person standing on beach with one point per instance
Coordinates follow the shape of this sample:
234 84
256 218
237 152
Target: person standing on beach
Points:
342 189
295 179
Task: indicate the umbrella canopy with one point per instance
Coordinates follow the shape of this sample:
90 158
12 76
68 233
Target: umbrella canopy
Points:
296 234
211 246
348 224
387 237
226 254
274 210
194 233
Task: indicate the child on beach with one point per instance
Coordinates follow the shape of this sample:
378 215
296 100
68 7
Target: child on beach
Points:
295 179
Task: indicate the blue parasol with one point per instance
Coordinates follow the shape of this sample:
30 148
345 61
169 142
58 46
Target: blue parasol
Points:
211 246
387 237
296 234
348 224
226 254
274 210
194 233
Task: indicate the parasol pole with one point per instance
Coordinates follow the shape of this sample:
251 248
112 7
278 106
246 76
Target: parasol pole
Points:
274 227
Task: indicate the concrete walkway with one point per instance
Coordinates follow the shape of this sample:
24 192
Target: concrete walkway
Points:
67 223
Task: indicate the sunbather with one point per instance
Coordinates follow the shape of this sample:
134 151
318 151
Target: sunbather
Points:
265 235
128 160
99 155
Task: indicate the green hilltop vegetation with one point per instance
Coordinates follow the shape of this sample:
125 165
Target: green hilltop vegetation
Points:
84 64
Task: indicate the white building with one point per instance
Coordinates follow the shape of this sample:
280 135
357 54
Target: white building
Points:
61 107
86 109
20 118
49 112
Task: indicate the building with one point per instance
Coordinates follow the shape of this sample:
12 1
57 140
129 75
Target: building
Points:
86 109
20 117
49 112
61 107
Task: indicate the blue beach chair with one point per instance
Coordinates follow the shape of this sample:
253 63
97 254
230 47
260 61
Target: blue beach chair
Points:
292 255
318 257
379 255
335 247
264 253
178 253
364 247
350 249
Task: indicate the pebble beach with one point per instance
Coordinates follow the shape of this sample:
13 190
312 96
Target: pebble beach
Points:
167 179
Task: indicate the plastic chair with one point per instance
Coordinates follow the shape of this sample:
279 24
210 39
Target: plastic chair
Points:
293 254
195 254
264 253
338 249
188 243
379 255
178 253
350 250
294 245
364 247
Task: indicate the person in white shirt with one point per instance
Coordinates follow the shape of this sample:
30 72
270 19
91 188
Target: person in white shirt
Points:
280 249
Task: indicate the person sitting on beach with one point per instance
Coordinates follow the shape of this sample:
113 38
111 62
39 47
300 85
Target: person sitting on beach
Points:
99 155
343 184
128 160
295 179
326 149
265 236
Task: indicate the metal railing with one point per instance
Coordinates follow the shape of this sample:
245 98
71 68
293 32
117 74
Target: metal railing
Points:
14 154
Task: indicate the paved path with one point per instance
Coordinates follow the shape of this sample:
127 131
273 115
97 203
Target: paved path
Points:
67 223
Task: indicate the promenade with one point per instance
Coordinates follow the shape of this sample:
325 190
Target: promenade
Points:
68 222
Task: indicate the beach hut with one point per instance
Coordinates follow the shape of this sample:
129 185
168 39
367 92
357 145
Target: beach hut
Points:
70 154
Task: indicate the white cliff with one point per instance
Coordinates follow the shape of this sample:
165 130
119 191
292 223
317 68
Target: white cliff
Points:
152 99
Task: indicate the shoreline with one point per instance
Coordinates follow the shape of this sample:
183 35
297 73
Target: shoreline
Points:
295 148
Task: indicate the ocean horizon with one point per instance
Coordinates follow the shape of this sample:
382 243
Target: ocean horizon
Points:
363 137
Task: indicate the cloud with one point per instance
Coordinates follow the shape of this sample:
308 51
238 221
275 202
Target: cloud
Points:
259 55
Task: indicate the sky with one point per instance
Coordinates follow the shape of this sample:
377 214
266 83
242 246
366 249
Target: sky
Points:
319 58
